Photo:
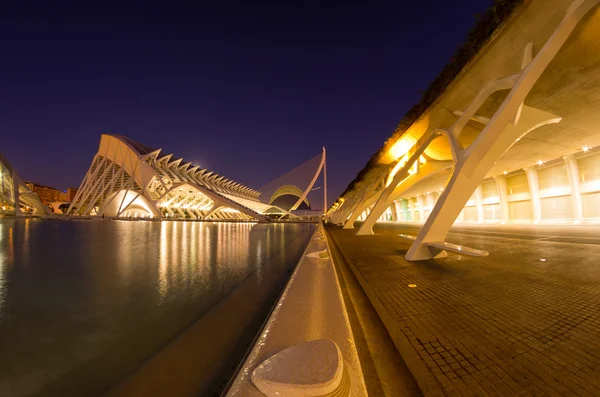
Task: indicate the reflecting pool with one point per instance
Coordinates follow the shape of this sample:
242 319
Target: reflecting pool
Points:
87 306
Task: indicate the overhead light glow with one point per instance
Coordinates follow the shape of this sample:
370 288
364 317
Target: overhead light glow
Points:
402 146
586 148
540 162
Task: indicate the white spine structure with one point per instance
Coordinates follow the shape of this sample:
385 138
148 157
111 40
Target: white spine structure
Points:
128 179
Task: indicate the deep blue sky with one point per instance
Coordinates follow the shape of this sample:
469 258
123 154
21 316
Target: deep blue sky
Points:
248 90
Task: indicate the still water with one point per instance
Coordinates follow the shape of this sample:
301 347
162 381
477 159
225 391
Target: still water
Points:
84 305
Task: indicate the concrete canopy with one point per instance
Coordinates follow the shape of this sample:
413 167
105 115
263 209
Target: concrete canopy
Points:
529 96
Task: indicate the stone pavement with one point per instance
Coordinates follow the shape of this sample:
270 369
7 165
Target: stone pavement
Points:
524 321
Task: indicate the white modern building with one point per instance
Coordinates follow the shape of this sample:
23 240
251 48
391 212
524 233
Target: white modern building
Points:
511 136
130 180
15 198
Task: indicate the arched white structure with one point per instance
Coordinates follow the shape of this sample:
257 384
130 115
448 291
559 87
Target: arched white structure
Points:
289 190
447 156
15 197
299 182
128 179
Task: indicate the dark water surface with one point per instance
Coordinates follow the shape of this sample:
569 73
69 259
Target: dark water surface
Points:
84 303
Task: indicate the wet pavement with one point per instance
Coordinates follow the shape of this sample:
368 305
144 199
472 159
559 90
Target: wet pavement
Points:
523 321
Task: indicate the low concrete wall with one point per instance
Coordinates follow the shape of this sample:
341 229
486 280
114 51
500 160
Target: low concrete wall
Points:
310 308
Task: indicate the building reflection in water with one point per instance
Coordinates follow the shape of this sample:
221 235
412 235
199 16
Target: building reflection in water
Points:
82 298
204 254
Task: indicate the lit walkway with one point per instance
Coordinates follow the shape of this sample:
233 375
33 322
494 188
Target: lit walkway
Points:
523 321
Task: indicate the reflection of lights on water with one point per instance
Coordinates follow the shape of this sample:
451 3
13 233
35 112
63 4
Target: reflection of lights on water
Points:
2 269
163 282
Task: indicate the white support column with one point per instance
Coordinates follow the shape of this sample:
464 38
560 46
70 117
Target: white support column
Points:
430 201
394 211
511 121
474 163
479 204
399 211
394 191
502 188
534 190
16 182
573 172
420 205
366 202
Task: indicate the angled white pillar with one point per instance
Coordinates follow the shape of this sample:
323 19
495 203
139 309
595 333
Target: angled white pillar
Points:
534 190
16 182
573 172
365 204
473 165
399 212
502 188
421 205
430 201
216 207
394 211
479 204
392 192
512 120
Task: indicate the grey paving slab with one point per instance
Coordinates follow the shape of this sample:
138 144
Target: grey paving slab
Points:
524 321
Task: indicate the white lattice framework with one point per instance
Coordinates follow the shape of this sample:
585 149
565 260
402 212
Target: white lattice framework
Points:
128 179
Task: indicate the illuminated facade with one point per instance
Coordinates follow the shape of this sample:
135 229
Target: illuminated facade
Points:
128 179
15 197
46 193
510 138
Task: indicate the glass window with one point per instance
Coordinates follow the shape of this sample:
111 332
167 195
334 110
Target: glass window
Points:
589 168
517 184
555 176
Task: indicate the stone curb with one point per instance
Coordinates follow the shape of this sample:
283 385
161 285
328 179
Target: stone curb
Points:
424 378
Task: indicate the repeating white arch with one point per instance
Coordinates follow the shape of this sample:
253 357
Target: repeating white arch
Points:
126 174
288 190
302 177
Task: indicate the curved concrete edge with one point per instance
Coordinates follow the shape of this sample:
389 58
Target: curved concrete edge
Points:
311 307
313 368
423 376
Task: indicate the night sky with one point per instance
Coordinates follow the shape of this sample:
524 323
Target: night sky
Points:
247 90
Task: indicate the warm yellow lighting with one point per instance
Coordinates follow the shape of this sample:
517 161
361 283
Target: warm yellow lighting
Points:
402 146
395 170
505 172
586 148
540 162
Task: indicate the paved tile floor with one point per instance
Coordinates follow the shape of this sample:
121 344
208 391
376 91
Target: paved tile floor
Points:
523 321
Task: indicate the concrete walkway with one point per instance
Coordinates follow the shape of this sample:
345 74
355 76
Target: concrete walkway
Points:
523 321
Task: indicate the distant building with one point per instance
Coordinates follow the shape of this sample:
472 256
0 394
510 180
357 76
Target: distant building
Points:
71 192
46 193
15 197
